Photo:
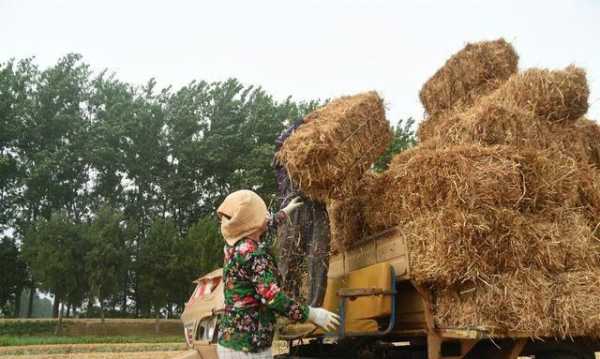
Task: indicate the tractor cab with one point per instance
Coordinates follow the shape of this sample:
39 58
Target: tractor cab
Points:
201 313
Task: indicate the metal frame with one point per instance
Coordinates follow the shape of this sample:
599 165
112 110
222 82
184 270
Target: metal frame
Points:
354 293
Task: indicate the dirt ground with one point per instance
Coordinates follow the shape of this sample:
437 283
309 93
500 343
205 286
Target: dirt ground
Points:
109 351
94 351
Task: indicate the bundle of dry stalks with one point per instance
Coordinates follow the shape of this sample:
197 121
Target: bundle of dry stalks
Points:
577 302
491 124
507 303
589 196
345 222
474 71
534 303
472 177
328 154
557 96
452 246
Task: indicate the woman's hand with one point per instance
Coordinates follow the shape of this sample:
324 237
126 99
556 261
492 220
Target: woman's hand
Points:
292 206
323 318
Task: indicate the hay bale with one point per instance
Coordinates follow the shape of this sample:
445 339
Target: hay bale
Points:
463 176
452 246
512 302
556 96
490 122
347 216
474 71
563 305
589 195
577 302
589 133
471 177
329 153
345 223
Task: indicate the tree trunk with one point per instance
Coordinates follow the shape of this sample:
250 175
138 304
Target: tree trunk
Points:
102 311
124 307
156 322
61 309
31 296
18 302
89 307
55 307
69 310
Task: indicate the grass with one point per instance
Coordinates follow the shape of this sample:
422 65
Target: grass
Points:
127 355
91 348
91 327
8 340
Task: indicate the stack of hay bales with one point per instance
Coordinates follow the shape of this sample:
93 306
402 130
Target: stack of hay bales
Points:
499 203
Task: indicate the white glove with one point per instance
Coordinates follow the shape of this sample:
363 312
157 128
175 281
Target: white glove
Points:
293 205
323 318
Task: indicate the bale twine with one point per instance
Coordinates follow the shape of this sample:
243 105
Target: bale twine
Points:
476 70
328 154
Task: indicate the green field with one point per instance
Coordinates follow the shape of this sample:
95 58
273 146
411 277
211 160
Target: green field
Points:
7 340
90 338
91 327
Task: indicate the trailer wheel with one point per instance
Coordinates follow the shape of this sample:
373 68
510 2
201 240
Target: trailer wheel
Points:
564 355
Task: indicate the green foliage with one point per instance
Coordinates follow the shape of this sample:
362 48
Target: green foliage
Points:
107 258
55 249
111 188
154 263
404 138
14 275
29 327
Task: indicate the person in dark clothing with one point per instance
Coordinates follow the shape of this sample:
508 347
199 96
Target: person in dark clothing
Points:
304 240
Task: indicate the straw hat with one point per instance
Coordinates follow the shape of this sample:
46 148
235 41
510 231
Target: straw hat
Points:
242 213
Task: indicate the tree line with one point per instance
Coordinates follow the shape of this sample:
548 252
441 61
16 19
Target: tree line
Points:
108 190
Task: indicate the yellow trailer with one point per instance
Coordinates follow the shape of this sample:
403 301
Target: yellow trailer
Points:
384 313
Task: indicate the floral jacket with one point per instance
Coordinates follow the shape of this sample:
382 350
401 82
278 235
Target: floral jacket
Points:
253 296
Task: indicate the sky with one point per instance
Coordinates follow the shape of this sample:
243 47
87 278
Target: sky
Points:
307 49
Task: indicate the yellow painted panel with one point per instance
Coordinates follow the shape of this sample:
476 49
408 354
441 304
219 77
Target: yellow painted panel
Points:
375 276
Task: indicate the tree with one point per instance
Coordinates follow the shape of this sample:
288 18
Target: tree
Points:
13 279
404 138
153 268
110 108
107 257
146 167
198 253
53 139
55 251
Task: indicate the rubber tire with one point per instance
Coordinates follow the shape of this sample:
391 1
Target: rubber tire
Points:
562 355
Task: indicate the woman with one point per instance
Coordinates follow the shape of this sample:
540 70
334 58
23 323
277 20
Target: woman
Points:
252 293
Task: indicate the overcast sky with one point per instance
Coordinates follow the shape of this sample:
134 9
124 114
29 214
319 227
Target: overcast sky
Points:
307 49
